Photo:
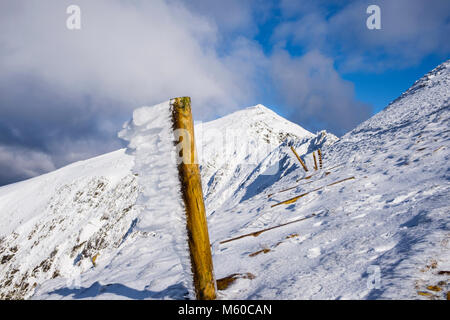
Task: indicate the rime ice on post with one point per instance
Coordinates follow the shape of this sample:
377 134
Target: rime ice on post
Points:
162 139
191 189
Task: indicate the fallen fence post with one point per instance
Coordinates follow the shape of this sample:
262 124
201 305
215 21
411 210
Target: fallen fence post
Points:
294 199
299 159
191 190
257 233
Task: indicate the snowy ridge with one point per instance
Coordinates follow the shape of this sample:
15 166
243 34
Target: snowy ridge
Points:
61 220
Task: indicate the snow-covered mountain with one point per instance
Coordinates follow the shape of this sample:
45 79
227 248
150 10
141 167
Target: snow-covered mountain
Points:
373 223
242 146
54 225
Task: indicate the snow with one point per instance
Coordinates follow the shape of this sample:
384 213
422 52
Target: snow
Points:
392 217
45 218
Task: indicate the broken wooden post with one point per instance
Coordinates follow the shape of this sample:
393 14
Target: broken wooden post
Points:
191 189
257 233
299 159
320 158
315 161
294 199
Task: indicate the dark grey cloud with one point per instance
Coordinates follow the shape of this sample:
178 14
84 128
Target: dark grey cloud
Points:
27 163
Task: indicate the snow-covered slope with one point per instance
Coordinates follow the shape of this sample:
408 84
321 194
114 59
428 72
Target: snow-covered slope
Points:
389 222
53 225
373 223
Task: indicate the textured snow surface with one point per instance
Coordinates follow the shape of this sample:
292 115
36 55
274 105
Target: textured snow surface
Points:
382 234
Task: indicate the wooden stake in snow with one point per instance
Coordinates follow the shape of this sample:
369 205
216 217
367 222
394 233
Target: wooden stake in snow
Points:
315 161
257 233
191 189
320 158
299 159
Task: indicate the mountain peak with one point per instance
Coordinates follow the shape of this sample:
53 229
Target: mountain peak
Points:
259 107
259 121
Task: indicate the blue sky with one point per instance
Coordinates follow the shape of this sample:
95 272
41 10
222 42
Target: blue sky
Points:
64 94
379 89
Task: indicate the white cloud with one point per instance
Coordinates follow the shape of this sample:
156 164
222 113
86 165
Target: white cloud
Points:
135 52
314 93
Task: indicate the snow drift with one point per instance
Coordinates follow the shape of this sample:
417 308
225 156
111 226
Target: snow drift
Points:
160 204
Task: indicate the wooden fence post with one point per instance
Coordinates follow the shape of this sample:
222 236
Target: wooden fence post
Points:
191 189
320 158
315 161
299 159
